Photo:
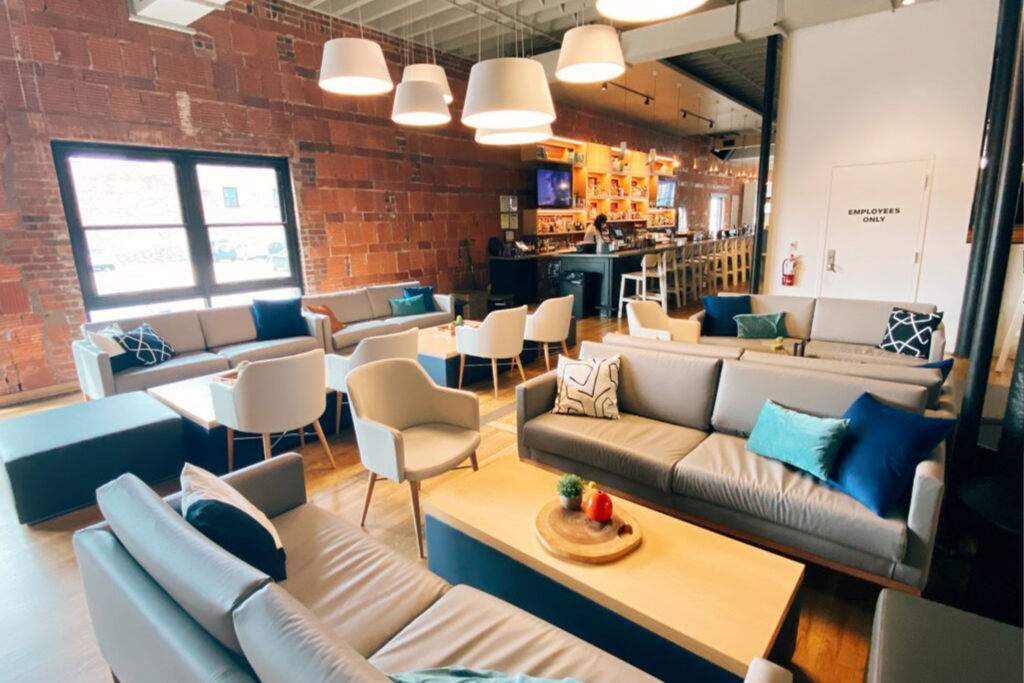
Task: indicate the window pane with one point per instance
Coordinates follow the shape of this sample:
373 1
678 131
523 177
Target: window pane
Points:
239 194
249 253
145 309
127 260
125 191
241 298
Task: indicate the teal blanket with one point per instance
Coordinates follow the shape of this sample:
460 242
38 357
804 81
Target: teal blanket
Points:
460 674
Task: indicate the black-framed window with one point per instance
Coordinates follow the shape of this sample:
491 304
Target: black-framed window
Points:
164 229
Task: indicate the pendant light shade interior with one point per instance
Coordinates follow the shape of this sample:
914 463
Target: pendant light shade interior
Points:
508 92
513 136
590 54
419 103
354 66
432 73
634 11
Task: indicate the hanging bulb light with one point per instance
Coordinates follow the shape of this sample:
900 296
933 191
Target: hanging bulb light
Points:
508 92
634 11
431 73
419 103
513 136
590 54
354 66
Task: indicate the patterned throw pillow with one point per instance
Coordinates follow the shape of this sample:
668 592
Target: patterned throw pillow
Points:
588 387
761 325
909 333
147 346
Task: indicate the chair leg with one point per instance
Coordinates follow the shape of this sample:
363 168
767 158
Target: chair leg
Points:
266 446
414 498
473 462
547 358
519 364
231 448
370 481
565 349
323 441
337 413
622 295
462 367
494 373
302 436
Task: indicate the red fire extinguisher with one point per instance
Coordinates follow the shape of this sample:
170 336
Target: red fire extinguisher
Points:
789 271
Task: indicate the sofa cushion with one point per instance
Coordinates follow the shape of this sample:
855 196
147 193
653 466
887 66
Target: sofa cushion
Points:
761 326
284 642
744 387
356 332
349 307
752 344
799 311
663 386
362 591
428 296
720 312
265 350
909 333
588 387
687 349
473 629
806 442
205 580
380 297
181 329
229 325
184 366
857 353
856 321
407 322
634 447
722 471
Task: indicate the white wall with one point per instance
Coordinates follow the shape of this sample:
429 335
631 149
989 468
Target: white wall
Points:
881 87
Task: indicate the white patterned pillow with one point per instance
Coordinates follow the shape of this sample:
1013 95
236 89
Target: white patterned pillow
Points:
588 386
910 333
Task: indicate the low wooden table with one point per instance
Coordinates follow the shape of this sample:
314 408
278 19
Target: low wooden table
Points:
687 605
438 356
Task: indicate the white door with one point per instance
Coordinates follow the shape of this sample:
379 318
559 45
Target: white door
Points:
875 230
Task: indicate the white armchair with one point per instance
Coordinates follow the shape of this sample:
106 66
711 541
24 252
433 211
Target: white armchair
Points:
398 345
647 319
272 396
410 429
500 335
549 324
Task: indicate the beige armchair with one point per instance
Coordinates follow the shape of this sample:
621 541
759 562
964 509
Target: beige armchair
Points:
549 324
410 429
648 319
274 396
499 336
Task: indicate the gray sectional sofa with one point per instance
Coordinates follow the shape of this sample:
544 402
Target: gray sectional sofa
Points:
835 329
680 446
169 606
367 313
206 341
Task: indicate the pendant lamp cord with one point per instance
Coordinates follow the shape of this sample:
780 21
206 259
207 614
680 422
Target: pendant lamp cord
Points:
360 10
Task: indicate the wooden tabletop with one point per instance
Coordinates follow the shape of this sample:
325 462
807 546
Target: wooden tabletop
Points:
712 595
439 343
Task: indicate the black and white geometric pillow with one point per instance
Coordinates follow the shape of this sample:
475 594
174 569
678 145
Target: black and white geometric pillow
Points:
588 387
909 333
147 346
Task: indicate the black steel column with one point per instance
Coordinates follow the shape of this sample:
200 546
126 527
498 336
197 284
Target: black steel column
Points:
1000 83
767 123
993 279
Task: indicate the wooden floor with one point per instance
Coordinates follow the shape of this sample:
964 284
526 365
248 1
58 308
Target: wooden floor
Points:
45 634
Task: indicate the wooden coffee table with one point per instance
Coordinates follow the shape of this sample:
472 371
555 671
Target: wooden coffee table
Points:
687 605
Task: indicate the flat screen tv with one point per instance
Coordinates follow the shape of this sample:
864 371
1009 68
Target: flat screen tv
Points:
666 197
554 189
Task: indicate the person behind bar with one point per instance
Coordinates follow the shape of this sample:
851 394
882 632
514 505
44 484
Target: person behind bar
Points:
594 233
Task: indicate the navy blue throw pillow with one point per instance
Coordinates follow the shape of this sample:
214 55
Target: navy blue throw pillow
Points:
144 347
719 312
428 296
279 319
239 534
881 450
944 366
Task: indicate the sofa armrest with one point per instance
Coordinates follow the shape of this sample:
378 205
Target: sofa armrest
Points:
94 372
763 671
534 397
317 326
685 330
650 333
923 515
938 347
274 486
698 316
446 303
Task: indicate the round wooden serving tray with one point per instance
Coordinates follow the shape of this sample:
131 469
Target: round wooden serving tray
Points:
574 536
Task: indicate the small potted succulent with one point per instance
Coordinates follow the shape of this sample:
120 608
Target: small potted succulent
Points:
570 491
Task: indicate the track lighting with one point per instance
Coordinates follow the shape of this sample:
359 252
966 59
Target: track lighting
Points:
604 87
647 100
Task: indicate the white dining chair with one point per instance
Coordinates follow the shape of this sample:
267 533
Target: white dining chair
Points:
272 397
549 324
498 337
410 429
399 345
647 319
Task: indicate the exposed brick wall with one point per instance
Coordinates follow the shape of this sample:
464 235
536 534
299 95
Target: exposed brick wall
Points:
375 202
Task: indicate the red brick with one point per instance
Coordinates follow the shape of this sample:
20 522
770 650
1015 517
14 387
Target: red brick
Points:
105 54
71 48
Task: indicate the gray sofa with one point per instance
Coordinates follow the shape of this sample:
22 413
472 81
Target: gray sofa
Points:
206 341
836 329
168 605
680 446
366 313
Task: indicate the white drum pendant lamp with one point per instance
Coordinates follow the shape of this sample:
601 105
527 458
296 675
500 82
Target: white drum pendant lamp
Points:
432 73
354 66
634 11
508 92
513 136
590 54
419 103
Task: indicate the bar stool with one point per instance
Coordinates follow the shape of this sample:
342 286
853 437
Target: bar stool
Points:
652 267
671 285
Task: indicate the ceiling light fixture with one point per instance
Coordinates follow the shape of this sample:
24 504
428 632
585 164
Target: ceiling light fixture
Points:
508 93
635 11
419 103
354 66
430 73
514 136
590 54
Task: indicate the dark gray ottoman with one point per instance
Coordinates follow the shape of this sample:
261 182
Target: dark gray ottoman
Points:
55 460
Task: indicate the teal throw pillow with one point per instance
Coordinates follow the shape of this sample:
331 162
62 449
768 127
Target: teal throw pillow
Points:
804 441
760 325
413 305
